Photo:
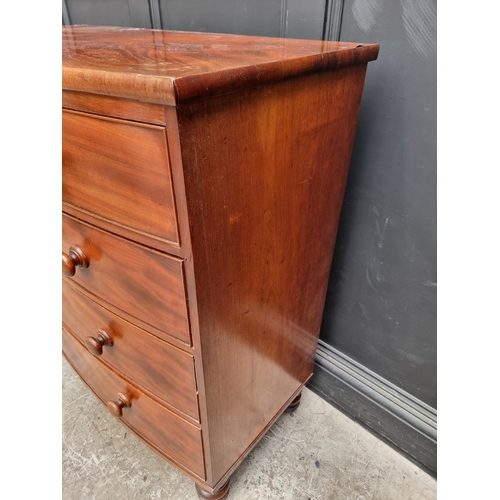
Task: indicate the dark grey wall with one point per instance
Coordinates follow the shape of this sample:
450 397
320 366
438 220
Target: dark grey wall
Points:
129 13
377 355
290 18
256 17
381 305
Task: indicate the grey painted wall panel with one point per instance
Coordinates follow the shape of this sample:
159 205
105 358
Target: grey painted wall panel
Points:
245 17
287 18
128 13
304 19
65 14
381 304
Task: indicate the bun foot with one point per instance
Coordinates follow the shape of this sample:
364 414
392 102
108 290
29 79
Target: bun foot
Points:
294 404
219 495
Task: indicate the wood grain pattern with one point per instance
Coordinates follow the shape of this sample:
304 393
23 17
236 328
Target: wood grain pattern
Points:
265 173
174 149
130 234
127 109
168 67
260 134
119 170
147 285
177 439
163 370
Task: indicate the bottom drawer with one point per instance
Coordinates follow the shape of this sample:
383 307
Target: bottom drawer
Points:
146 360
172 436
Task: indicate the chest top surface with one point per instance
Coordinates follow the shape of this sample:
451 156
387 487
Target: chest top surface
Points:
168 67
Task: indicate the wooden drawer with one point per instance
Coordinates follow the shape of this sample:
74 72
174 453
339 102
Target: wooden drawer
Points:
119 171
164 370
146 285
171 435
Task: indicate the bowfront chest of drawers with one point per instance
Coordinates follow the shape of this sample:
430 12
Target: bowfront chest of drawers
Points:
203 178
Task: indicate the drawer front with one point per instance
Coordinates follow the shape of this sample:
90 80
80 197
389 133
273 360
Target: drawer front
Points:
119 171
171 435
143 283
165 371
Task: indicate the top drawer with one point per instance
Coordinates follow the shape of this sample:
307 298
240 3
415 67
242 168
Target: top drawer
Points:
118 171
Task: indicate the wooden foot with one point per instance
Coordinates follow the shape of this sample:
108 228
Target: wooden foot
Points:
219 495
294 404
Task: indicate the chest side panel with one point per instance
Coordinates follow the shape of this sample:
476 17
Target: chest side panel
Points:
265 173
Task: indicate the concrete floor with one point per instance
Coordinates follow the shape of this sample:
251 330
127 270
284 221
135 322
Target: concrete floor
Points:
316 453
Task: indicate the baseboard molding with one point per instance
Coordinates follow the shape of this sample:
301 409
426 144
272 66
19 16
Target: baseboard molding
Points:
400 419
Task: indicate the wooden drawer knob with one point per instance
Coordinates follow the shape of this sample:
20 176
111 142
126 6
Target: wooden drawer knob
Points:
95 344
76 257
116 407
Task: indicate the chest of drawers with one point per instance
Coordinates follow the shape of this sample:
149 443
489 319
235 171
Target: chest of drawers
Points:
203 178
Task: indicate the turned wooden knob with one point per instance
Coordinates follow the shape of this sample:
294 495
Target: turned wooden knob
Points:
74 258
95 344
116 407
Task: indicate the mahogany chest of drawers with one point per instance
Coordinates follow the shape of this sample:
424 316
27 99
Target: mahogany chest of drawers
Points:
203 178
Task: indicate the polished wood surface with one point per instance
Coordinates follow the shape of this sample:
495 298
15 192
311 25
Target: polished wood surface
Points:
74 258
171 435
119 170
245 144
169 67
178 181
265 173
94 344
127 109
116 406
163 370
130 234
146 284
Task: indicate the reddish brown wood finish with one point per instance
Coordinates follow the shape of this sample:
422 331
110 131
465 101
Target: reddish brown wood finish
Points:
73 259
94 344
119 170
144 239
116 406
163 370
169 67
174 149
149 286
220 494
127 109
260 133
265 172
294 404
172 436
